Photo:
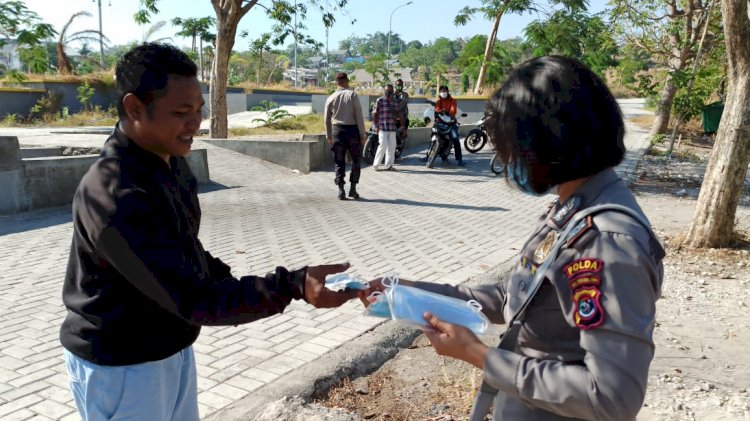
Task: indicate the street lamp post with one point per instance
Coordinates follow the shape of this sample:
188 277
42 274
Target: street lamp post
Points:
390 23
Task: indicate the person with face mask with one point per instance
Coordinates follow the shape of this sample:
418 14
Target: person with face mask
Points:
385 116
447 104
580 303
403 99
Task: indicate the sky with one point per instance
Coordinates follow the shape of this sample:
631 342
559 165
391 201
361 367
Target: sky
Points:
423 20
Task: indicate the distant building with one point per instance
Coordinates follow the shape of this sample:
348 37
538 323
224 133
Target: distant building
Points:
303 76
9 57
364 79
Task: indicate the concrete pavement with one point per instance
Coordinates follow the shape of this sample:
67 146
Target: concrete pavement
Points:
444 225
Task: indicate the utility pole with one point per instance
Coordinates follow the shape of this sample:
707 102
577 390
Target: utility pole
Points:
101 42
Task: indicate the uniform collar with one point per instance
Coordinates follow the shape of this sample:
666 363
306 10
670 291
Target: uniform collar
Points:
586 193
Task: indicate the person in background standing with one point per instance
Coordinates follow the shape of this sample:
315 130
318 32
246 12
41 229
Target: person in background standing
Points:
345 132
385 115
403 99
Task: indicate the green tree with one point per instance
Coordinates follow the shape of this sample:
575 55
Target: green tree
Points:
375 66
670 31
228 15
494 10
35 58
64 39
198 30
574 34
19 23
715 211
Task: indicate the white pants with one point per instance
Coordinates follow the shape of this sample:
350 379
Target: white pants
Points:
387 146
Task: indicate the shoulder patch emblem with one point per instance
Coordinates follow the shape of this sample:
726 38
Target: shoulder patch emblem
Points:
587 308
583 265
542 251
580 228
568 209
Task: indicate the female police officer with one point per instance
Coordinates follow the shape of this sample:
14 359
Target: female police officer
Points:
581 301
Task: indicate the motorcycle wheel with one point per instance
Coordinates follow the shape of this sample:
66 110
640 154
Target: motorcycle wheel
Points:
475 141
433 153
496 166
368 151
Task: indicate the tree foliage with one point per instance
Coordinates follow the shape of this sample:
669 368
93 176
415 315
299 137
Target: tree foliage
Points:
575 34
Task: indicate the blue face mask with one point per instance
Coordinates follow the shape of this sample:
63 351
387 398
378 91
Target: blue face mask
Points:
519 177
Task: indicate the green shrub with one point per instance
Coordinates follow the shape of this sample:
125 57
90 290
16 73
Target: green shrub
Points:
416 122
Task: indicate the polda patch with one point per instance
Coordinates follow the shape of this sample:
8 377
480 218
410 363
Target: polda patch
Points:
587 311
581 266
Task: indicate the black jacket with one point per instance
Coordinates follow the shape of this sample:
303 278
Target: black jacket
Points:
139 284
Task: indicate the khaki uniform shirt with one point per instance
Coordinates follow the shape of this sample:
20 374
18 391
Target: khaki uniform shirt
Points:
585 346
343 108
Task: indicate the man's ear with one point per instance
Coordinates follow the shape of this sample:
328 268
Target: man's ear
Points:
134 108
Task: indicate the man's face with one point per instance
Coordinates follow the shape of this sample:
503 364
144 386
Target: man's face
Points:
175 117
399 87
388 90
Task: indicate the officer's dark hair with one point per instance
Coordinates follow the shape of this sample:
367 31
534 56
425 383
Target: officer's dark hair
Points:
399 81
443 88
341 77
143 71
556 118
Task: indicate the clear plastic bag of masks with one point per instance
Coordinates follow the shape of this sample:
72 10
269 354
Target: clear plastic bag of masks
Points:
407 305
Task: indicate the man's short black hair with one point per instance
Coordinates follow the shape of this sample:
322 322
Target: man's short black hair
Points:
143 71
399 81
557 119
443 88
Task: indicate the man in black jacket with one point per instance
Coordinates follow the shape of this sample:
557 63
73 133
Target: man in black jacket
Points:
139 284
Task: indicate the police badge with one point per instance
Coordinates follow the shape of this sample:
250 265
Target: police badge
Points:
542 251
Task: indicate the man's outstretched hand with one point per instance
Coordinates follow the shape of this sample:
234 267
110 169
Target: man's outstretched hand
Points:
317 294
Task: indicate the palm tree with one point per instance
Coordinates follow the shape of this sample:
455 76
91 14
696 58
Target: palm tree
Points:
63 61
198 30
153 29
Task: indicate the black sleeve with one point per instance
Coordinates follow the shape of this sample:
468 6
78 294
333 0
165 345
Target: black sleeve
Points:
138 244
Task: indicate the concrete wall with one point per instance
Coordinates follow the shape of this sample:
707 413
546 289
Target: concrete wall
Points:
18 101
27 153
47 181
280 97
293 154
12 188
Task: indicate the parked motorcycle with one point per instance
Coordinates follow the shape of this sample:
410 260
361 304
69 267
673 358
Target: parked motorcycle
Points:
372 143
440 141
496 166
476 138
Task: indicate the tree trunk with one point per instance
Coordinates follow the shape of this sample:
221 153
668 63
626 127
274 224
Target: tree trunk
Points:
713 222
63 63
257 72
228 15
488 49
664 107
202 63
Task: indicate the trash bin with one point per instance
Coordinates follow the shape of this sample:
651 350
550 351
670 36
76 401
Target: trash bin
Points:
712 117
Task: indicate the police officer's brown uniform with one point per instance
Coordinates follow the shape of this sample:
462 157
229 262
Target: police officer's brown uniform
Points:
585 345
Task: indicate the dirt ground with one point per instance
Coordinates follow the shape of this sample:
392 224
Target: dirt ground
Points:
701 370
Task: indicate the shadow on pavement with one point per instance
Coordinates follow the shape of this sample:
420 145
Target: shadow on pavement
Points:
36 219
213 186
432 205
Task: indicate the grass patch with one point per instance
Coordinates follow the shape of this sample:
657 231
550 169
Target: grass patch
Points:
93 117
308 123
644 121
